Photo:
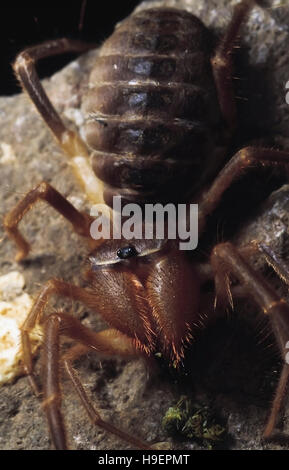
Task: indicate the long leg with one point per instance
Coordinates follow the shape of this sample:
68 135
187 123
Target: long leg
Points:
249 251
24 67
244 159
69 141
120 315
273 259
226 262
222 63
54 286
109 342
80 221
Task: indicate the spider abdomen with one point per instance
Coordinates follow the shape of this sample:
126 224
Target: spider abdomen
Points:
151 110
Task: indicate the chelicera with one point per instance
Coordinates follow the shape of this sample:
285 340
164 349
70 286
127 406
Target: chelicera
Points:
145 112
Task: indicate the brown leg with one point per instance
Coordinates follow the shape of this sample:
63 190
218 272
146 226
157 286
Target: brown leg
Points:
24 67
94 415
95 299
70 141
277 402
52 390
277 263
222 63
245 158
109 342
227 261
81 222
54 286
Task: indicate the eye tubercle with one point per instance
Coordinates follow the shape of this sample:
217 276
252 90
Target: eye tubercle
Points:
126 252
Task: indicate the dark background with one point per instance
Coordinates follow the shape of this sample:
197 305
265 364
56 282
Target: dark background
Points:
26 23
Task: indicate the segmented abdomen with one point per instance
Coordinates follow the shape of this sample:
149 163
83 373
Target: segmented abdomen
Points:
151 110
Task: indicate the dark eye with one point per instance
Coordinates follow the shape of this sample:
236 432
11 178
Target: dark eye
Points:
126 252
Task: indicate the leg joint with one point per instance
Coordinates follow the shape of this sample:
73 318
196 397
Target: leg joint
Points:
51 400
275 306
246 155
42 188
220 60
22 61
221 250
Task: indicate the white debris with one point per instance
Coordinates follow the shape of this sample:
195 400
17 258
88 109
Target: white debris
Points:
21 121
11 284
77 202
74 115
74 65
8 155
13 313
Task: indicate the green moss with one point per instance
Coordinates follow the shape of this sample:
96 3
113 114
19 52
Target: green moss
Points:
193 422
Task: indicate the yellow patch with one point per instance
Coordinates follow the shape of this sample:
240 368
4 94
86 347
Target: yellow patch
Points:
14 308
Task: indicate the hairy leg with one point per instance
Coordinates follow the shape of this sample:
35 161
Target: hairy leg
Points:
69 141
222 62
227 262
54 286
272 258
107 342
43 192
248 157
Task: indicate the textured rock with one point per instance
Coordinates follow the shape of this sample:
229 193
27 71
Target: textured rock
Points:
241 380
14 308
271 225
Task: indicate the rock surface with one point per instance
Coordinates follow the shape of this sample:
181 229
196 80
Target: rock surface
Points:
239 385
